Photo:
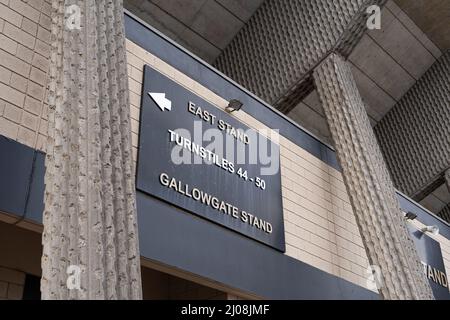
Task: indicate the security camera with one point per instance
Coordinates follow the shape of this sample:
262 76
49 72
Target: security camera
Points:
410 216
431 229
234 105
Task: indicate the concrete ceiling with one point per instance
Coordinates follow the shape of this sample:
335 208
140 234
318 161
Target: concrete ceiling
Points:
432 16
385 64
205 27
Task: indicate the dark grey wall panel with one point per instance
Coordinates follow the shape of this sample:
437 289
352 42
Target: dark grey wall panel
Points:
35 205
171 236
16 163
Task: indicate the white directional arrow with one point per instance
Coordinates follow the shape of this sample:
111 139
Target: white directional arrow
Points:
161 101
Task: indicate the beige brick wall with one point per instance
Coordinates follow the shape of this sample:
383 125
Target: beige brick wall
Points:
24 52
11 283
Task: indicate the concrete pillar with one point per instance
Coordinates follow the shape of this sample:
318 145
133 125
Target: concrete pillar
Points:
90 209
369 185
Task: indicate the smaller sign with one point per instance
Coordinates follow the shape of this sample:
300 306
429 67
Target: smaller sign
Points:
430 254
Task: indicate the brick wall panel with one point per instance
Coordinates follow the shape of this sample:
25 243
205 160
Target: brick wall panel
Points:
24 52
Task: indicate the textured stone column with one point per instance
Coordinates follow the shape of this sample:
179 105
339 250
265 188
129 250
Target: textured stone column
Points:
369 185
90 215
